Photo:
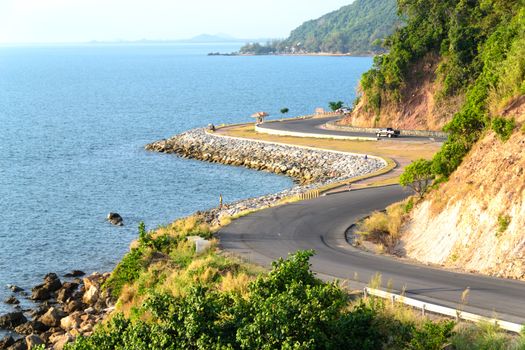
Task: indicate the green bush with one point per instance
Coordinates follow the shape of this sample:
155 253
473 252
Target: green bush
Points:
432 335
288 308
418 176
127 271
503 223
503 127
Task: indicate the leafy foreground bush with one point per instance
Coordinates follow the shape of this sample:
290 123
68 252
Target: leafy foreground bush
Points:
288 308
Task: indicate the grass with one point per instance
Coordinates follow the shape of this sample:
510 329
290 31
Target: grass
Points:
164 261
384 228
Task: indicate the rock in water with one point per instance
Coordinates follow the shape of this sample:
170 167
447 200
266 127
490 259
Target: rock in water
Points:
12 300
115 219
6 342
14 288
12 319
75 273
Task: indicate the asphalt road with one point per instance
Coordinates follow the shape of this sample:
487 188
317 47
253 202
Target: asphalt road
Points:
313 126
320 224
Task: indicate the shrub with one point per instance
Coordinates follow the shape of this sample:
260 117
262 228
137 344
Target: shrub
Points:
127 271
503 223
384 228
418 176
409 205
431 336
503 127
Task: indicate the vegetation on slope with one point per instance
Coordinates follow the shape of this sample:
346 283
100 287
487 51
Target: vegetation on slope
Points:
184 300
357 28
480 48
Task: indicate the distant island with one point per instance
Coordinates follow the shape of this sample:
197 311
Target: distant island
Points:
355 29
199 39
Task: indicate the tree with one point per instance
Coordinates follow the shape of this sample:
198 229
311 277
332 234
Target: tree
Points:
284 110
418 176
334 106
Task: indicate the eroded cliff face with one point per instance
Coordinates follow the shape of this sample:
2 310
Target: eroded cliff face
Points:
420 107
476 221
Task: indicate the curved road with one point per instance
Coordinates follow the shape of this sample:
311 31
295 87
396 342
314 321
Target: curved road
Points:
320 224
313 126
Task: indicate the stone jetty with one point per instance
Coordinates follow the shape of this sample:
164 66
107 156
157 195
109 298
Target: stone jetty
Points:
310 168
304 165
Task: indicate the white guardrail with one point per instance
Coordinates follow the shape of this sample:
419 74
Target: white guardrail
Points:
442 310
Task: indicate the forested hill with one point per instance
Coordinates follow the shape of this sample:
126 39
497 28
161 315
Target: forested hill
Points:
355 28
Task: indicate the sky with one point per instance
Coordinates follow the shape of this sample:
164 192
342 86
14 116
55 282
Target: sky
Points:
62 21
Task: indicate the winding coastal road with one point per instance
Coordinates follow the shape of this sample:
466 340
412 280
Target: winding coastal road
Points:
320 224
314 126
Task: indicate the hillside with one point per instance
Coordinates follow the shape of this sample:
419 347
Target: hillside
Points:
351 29
460 66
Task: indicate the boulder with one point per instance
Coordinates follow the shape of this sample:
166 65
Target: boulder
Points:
12 300
39 311
45 290
75 273
91 295
31 327
66 292
115 219
69 322
33 340
52 282
20 344
75 333
73 305
52 317
14 288
60 341
6 342
40 292
12 319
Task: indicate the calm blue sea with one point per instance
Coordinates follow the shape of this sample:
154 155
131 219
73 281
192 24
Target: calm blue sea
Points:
73 123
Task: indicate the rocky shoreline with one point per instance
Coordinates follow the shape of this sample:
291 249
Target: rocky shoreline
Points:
310 168
64 310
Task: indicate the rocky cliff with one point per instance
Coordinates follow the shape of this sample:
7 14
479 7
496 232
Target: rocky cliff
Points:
476 221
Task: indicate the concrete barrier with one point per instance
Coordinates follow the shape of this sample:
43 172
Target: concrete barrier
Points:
442 310
269 131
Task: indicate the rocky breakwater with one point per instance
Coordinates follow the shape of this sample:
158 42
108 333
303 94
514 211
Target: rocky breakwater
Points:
65 310
304 165
309 167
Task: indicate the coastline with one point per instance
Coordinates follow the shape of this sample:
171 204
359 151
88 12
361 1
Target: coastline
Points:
312 54
76 307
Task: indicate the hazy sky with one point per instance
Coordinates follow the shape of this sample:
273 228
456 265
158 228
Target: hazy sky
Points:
84 20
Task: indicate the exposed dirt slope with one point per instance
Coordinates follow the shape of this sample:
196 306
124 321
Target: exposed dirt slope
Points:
420 108
476 221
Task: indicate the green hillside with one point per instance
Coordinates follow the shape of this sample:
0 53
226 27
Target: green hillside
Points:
351 29
479 45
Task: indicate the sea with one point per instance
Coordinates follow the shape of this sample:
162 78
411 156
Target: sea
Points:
74 120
